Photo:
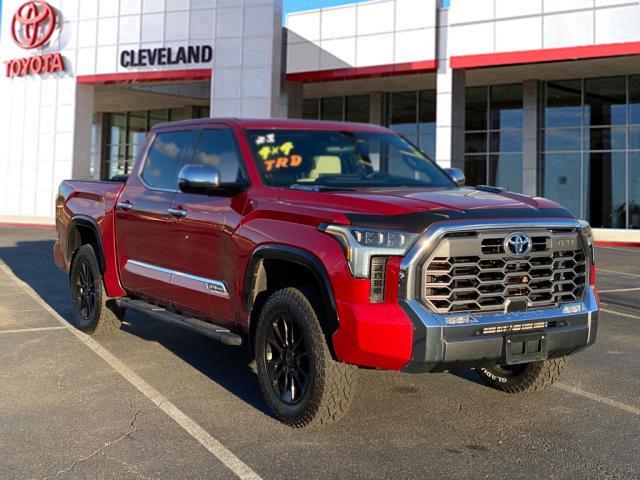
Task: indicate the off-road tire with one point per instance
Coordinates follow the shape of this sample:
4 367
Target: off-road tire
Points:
526 378
331 385
105 316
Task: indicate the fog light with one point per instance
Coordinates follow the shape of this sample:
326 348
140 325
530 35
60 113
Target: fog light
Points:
572 309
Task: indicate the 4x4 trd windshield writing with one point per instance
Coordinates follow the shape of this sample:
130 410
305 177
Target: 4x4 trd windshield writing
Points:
342 159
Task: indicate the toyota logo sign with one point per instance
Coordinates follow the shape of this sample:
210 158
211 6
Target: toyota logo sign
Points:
33 24
518 244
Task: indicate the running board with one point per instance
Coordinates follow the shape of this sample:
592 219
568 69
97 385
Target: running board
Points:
210 330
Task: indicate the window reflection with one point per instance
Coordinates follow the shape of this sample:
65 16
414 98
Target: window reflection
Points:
124 133
589 167
494 142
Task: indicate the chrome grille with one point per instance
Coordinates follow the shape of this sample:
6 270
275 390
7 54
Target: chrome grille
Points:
472 272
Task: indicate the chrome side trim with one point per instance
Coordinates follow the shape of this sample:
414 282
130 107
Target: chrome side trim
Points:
430 237
194 282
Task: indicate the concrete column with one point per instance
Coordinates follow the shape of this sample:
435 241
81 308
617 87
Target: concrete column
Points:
247 60
291 97
530 89
83 121
450 103
376 108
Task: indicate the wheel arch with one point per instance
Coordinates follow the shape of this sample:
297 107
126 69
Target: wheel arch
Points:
262 277
84 230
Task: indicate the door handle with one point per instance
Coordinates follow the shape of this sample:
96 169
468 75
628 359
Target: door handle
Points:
177 212
126 205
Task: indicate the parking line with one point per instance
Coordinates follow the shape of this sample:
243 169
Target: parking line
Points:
619 273
598 398
233 463
28 330
617 290
613 312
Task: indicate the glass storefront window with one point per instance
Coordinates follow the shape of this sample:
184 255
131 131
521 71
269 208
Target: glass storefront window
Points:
413 115
634 189
591 167
506 107
403 114
562 139
353 108
605 175
605 101
563 104
505 170
331 108
562 180
311 109
476 108
357 109
494 136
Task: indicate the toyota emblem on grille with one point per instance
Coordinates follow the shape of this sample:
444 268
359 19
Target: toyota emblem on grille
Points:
518 244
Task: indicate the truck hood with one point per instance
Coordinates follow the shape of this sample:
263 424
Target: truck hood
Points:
414 209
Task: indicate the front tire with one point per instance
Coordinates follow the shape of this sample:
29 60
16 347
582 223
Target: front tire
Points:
93 312
299 379
525 378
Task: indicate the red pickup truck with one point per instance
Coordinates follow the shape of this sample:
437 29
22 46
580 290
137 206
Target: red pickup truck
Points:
325 247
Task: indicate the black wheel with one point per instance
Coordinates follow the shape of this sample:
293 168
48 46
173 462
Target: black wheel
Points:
525 378
299 379
93 311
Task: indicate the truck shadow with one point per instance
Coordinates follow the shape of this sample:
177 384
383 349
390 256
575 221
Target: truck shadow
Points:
229 367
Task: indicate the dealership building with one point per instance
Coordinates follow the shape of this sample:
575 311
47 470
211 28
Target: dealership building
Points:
538 96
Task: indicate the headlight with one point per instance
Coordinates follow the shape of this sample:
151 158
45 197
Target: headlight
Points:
585 230
587 234
360 244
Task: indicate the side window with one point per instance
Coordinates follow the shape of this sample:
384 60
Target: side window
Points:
163 161
218 148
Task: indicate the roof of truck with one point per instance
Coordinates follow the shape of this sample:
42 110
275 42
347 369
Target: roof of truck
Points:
274 123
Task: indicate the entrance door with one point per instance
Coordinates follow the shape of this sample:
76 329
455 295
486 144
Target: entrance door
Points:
205 247
143 223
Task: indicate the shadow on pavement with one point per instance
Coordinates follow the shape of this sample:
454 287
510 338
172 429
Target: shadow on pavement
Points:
229 367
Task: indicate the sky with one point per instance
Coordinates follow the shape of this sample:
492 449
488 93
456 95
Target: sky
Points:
299 5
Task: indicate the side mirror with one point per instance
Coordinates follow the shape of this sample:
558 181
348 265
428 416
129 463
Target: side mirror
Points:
196 178
456 175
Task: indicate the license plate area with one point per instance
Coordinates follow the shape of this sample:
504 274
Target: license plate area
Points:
525 348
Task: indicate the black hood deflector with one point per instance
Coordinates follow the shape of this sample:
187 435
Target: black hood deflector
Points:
419 221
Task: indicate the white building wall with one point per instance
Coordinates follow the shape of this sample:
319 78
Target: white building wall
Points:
496 26
379 32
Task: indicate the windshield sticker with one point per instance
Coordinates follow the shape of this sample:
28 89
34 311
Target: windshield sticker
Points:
269 138
283 162
267 152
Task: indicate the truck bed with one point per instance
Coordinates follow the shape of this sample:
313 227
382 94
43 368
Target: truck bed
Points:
88 201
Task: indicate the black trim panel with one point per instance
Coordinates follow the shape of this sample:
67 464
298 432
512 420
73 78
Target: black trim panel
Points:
300 257
90 223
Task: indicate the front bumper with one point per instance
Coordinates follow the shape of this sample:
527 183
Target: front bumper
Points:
439 346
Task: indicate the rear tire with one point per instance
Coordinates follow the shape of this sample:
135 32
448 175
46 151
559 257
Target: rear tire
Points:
93 312
525 378
299 379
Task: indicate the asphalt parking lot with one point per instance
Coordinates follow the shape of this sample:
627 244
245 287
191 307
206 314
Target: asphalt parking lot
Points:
152 401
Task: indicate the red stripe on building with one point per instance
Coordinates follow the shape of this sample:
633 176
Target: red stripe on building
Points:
155 76
427 66
31 226
606 243
546 55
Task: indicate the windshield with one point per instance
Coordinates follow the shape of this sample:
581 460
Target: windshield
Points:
341 159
